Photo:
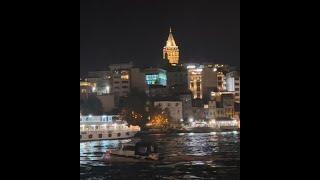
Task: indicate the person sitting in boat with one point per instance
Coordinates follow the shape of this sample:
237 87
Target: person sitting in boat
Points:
146 149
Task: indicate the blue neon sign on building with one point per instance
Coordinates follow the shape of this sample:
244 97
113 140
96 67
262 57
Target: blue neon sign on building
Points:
156 78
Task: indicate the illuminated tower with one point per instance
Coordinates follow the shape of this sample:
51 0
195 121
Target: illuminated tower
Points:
171 50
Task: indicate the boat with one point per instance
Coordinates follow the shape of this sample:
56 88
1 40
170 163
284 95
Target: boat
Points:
200 129
93 128
226 124
218 124
133 150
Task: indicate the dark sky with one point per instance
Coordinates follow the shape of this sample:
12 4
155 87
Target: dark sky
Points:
136 30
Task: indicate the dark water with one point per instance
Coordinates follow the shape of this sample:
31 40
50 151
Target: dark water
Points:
209 156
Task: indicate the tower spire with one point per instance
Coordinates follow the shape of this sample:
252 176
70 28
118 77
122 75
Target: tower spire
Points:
171 51
170 41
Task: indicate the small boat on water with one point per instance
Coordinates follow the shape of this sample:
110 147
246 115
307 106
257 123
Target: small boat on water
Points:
134 150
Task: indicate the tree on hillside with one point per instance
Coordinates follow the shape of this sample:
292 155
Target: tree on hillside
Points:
92 105
159 118
134 111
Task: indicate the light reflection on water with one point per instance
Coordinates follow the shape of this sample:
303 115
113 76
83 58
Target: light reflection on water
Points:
214 156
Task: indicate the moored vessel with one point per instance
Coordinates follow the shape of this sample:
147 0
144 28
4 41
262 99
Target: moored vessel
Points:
105 128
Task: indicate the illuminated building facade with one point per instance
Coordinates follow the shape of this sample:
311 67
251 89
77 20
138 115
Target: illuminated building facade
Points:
202 80
221 81
233 84
195 81
102 79
171 50
224 105
86 88
120 79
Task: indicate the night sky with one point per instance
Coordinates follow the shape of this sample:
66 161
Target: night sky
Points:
136 30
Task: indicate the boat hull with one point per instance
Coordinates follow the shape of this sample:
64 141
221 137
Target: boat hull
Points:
209 129
129 155
96 136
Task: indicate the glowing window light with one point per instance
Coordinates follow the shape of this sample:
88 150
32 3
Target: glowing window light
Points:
198 70
125 77
191 67
107 89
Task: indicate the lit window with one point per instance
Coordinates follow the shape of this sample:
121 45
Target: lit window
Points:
125 77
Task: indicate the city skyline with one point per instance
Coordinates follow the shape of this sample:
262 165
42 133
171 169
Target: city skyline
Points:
160 87
208 33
